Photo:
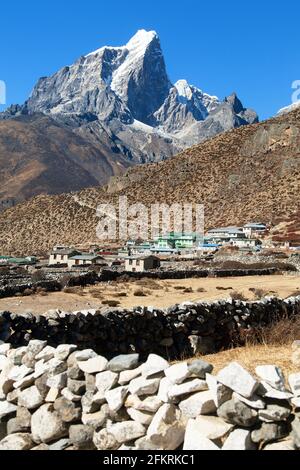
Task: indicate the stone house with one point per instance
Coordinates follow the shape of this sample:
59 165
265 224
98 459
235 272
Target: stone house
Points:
86 259
140 264
61 255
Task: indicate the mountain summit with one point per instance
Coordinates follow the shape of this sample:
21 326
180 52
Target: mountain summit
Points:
121 101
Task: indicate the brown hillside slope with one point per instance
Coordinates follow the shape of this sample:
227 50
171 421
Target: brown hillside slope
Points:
39 156
251 173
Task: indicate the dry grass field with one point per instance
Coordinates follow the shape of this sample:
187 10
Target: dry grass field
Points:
159 294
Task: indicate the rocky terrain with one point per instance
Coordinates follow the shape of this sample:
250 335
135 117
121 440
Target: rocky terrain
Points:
110 109
65 399
250 173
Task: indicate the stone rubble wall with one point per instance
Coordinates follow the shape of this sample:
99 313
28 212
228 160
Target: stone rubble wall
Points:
179 331
62 398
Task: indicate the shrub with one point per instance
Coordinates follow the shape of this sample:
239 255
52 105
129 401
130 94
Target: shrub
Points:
38 276
235 295
139 293
111 303
28 292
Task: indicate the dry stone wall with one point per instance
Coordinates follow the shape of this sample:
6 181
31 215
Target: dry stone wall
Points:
179 331
62 398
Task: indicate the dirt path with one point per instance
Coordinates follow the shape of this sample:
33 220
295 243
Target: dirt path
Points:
157 293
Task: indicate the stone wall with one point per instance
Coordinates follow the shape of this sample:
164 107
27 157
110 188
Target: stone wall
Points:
179 331
57 399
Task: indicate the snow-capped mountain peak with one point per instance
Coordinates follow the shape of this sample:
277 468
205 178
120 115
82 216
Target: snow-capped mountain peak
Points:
141 40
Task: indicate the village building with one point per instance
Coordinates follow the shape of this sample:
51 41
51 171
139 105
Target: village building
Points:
86 259
61 254
177 241
255 230
139 264
208 248
224 234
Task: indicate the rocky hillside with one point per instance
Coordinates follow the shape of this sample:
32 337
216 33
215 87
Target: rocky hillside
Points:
40 156
119 104
250 173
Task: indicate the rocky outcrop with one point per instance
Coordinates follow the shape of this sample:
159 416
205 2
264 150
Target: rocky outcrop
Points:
57 399
183 330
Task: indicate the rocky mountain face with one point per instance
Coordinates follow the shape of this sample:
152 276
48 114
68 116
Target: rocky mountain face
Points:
123 96
246 174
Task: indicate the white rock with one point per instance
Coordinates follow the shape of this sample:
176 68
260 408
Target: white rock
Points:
196 385
270 392
294 381
127 375
16 355
3 362
254 402
238 379
178 373
141 417
93 366
85 355
52 395
201 403
17 441
296 402
70 396
46 354
30 398
6 409
26 382
58 381
46 425
163 391
106 381
63 351
272 375
211 427
239 439
150 404
35 346
195 439
154 365
116 398
126 431
219 392
142 386
167 428
4 348
19 372
282 445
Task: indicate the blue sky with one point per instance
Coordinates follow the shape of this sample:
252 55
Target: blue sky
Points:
251 48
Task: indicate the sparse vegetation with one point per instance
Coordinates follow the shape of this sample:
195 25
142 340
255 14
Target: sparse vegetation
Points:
235 295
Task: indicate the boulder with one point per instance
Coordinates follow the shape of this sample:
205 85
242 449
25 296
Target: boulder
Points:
154 365
269 392
150 404
46 354
58 381
296 432
62 444
219 392
201 403
200 368
167 428
178 373
93 366
19 372
47 425
272 375
194 439
186 388
236 412
116 398
67 410
95 420
141 417
19 441
142 386
124 363
294 381
106 381
269 432
81 436
63 351
104 440
6 409
212 427
85 355
127 431
254 402
239 439
30 398
274 413
127 375
238 379
286 444
76 386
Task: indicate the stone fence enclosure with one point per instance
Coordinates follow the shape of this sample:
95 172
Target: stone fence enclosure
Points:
177 332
